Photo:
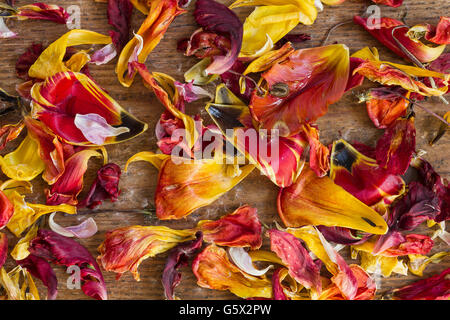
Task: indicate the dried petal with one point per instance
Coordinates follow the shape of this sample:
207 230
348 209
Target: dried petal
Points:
3 248
119 17
42 11
436 287
84 230
214 270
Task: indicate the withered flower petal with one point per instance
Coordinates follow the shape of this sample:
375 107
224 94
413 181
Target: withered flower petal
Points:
179 257
3 248
66 251
119 17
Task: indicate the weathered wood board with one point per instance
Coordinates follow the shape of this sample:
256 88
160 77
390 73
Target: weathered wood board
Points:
346 119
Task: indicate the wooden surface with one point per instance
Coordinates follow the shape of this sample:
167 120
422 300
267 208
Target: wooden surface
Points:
345 119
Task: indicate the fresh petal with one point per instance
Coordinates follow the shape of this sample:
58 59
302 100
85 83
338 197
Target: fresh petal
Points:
319 201
213 270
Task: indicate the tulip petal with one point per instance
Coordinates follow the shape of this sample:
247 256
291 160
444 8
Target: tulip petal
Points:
24 163
160 15
70 183
436 287
65 251
84 230
318 201
125 248
362 176
178 257
243 261
240 228
43 11
306 72
59 99
10 132
3 248
214 270
301 267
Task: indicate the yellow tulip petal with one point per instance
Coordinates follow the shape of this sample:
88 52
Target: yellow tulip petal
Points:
20 251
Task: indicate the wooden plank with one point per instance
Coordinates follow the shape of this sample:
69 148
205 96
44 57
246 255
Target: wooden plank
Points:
346 119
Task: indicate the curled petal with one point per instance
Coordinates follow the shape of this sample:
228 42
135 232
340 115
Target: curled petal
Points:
436 287
41 269
204 44
384 112
25 213
96 129
42 11
20 251
439 34
5 33
119 17
240 228
24 163
14 288
197 75
103 55
58 100
7 210
390 3
3 248
214 270
178 257
301 267
50 61
70 183
306 72
10 132
51 150
343 236
125 248
105 186
319 201
417 262
383 30
216 17
84 230
362 176
413 244
26 60
366 287
160 15
319 155
65 251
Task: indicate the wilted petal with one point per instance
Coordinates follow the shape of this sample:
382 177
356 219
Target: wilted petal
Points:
214 270
383 33
105 186
84 230
216 17
10 132
301 267
24 163
418 263
96 129
58 100
6 211
125 248
41 269
178 257
341 235
161 13
42 11
65 251
119 17
240 228
5 33
319 201
20 251
25 213
70 183
319 155
242 260
366 287
27 59
390 3
436 287
384 111
303 75
439 34
362 176
3 248
14 288
185 185
395 148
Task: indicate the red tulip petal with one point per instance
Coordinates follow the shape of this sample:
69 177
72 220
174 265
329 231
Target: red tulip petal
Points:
436 287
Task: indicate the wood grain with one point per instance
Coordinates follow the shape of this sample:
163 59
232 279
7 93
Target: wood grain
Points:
346 119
